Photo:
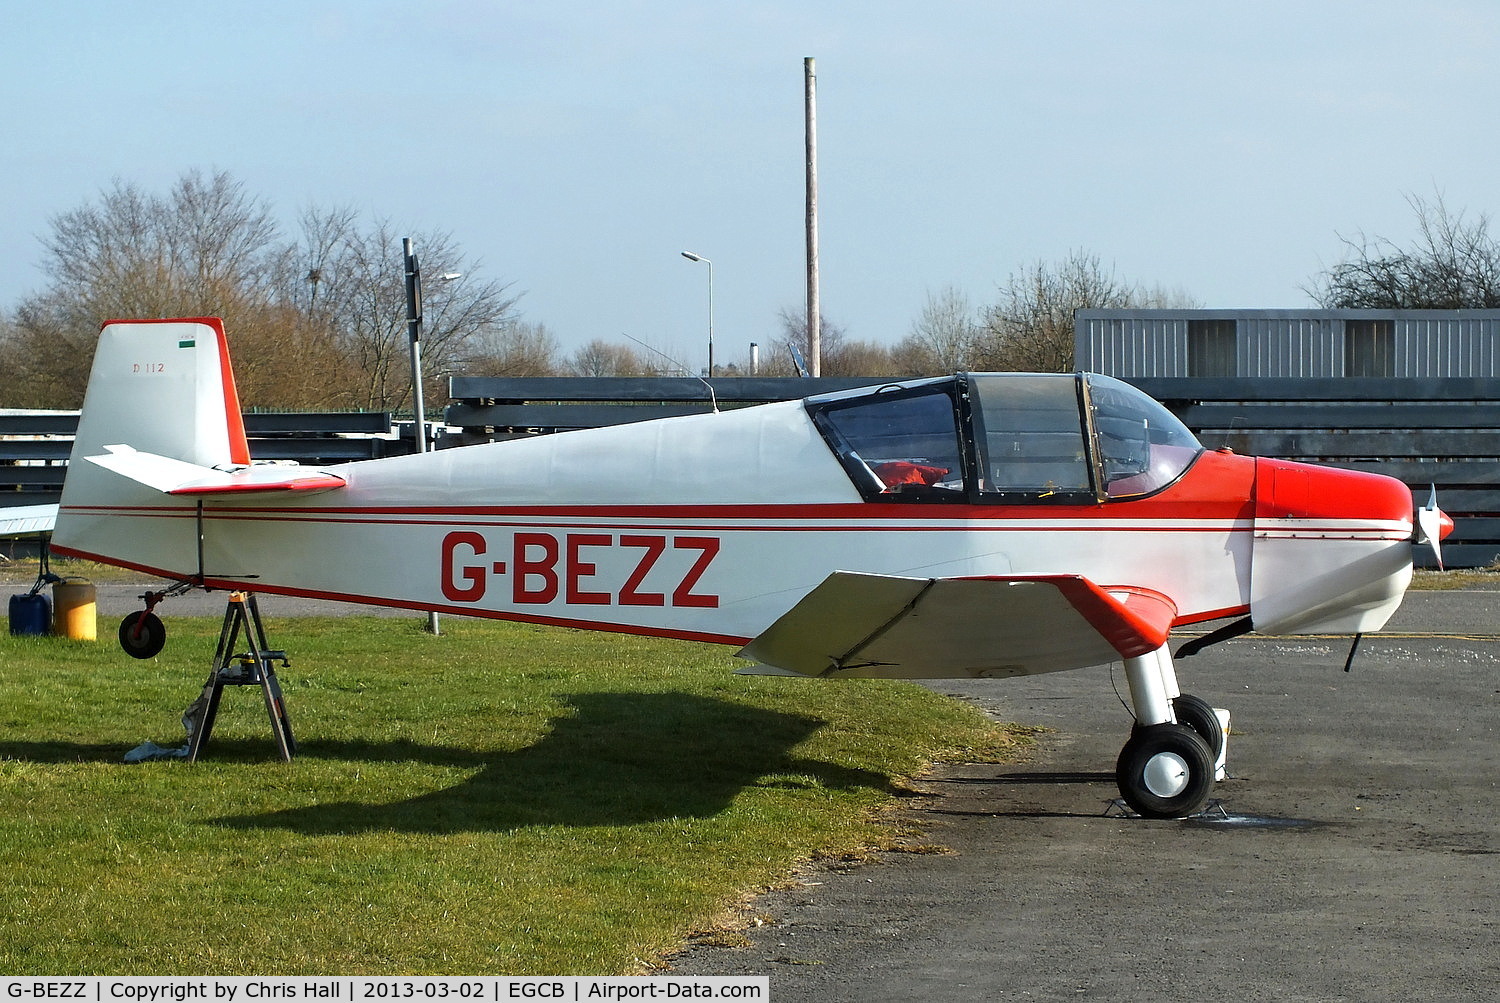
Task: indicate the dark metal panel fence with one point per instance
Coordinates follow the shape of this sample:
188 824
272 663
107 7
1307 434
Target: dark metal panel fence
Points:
1427 432
498 408
1442 433
32 469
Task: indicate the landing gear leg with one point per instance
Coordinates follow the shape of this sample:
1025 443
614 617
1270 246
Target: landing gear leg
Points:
1166 770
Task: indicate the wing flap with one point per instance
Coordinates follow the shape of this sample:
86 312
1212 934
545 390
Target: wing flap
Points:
863 625
178 477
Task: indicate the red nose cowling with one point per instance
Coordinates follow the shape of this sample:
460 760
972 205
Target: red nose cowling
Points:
1289 490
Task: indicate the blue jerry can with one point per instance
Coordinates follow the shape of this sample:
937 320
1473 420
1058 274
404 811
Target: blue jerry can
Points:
30 614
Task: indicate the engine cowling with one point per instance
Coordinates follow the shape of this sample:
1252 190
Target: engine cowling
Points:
1331 550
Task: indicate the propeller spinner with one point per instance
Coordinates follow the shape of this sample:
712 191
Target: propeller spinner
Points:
1433 526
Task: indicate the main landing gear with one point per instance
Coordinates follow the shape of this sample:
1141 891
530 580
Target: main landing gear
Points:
1168 767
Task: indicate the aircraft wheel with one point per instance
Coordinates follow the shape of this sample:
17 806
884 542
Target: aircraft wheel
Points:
1199 716
142 634
1165 771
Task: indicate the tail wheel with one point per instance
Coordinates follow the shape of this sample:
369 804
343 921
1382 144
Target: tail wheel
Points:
1165 771
142 634
1199 716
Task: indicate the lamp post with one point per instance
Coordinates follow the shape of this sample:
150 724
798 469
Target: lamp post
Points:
698 257
414 335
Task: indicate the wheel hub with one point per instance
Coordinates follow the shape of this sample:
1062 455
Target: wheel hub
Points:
1166 774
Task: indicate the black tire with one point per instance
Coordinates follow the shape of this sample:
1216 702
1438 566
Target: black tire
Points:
142 634
1199 716
1165 771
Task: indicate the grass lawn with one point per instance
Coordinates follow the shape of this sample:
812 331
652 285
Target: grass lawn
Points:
1466 578
502 799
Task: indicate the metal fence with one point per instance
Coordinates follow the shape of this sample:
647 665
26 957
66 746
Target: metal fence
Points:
1429 433
1442 433
486 409
34 448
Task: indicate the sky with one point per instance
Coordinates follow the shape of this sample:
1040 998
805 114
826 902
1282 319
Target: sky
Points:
575 149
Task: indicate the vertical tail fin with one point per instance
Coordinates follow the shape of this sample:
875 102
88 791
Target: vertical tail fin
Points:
164 387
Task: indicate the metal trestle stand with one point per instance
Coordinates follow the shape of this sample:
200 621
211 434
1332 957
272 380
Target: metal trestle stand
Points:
252 667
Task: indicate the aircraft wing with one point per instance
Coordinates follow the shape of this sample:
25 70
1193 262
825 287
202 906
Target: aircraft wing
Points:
178 477
864 625
23 520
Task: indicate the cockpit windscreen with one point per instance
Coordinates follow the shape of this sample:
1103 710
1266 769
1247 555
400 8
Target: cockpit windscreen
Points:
1142 445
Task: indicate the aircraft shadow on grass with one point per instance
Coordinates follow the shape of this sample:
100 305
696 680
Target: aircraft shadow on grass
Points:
620 759
60 752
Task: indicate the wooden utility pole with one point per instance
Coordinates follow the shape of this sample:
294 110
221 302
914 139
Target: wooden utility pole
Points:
814 325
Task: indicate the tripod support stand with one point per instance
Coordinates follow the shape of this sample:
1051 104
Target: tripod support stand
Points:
252 667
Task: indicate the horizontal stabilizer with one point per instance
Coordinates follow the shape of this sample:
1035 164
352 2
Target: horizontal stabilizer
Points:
913 628
22 520
178 477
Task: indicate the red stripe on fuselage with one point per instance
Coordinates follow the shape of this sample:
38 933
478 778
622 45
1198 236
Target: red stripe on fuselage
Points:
779 519
1217 488
248 585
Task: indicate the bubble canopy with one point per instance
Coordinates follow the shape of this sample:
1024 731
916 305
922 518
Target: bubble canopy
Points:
1005 438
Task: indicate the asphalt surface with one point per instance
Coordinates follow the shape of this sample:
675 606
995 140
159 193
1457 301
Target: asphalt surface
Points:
1352 857
119 598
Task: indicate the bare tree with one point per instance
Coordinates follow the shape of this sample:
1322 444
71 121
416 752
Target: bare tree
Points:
857 357
18 386
285 359
842 356
205 248
351 279
206 240
517 348
317 321
793 323
942 338
1453 264
1031 328
603 358
832 338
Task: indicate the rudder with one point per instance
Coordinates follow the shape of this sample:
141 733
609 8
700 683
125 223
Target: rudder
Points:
164 387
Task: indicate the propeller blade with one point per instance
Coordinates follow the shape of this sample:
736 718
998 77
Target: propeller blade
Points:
1433 526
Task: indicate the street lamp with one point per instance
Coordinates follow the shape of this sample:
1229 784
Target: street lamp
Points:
698 257
414 336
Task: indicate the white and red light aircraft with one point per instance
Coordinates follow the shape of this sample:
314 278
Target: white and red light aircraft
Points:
983 525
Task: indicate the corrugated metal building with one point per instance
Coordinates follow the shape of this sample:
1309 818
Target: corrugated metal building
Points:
1295 343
